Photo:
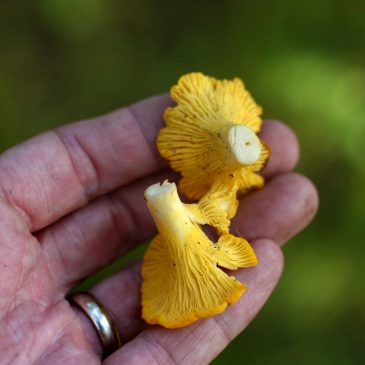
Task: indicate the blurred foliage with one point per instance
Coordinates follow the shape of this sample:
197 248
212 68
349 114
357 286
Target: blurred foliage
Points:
63 60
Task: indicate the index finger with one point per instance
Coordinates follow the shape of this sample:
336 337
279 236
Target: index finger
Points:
57 172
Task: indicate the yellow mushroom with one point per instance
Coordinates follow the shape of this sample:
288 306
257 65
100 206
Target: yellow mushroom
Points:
182 276
210 135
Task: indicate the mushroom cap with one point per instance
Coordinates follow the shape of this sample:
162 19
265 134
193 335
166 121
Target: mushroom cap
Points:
213 101
182 276
199 137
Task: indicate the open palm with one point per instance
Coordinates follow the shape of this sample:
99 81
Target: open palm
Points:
71 201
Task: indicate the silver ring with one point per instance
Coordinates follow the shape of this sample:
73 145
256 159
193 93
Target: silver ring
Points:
102 321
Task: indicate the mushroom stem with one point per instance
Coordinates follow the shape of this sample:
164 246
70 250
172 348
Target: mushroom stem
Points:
167 210
243 147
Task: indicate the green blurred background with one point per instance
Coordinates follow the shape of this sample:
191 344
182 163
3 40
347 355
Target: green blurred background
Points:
64 60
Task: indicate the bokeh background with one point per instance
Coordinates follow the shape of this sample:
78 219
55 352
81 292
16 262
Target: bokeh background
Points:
304 62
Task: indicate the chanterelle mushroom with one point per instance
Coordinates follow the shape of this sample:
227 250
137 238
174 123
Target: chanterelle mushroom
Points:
210 135
182 278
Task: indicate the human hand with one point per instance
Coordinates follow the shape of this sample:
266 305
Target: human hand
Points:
71 201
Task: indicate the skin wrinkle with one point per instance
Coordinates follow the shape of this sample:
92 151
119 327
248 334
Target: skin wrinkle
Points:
9 268
155 347
284 148
60 355
274 264
135 358
82 236
32 289
63 330
28 301
23 281
46 199
114 217
30 188
89 181
17 211
125 120
222 327
307 203
9 314
151 123
32 341
148 143
212 332
14 328
10 203
293 187
8 198
53 265
206 335
63 327
130 219
25 272
77 238
5 307
88 176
